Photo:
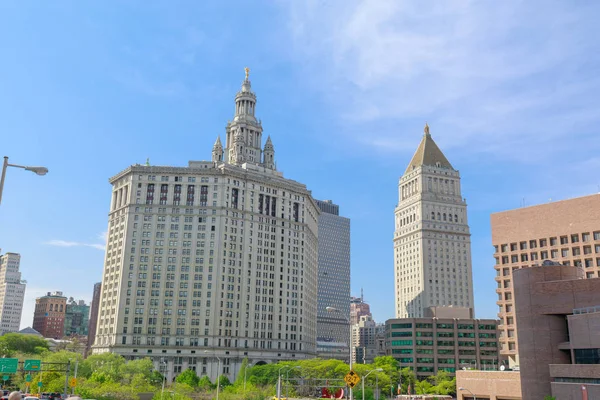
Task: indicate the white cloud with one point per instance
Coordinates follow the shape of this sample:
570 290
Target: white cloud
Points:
508 78
65 243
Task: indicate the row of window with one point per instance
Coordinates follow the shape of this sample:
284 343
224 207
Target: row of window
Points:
532 244
409 325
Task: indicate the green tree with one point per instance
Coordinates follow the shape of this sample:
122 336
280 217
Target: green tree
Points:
548 397
17 342
189 377
205 384
243 372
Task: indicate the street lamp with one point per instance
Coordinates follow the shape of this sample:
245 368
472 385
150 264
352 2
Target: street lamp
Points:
245 370
365 377
279 381
287 379
333 309
36 170
218 370
467 390
162 392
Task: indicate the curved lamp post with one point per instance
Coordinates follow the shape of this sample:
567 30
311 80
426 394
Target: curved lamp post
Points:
287 379
467 390
36 170
365 377
218 371
333 309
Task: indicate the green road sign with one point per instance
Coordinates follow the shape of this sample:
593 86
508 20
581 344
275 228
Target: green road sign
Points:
32 365
9 365
5 378
40 383
28 378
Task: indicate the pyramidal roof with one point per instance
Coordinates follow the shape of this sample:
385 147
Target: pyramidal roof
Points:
428 153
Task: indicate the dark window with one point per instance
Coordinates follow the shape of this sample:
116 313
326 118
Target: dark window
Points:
587 356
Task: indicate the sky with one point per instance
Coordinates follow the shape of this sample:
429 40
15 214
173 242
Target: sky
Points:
509 89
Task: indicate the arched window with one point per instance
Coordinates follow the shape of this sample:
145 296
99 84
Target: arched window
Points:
455 218
444 216
433 215
61 308
439 217
51 307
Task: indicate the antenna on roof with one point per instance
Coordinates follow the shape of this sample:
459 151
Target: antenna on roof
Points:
362 296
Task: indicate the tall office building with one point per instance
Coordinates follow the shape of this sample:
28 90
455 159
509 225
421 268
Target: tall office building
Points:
49 315
565 231
12 293
217 259
334 274
93 315
432 241
77 318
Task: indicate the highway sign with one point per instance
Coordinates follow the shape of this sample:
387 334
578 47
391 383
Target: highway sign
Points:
28 378
32 365
352 378
5 378
73 382
9 365
40 383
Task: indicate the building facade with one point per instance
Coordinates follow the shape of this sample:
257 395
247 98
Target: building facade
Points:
566 231
358 308
77 318
558 320
49 315
334 274
12 293
364 338
93 315
432 245
429 345
217 259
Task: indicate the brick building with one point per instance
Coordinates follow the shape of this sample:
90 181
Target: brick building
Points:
49 315
565 231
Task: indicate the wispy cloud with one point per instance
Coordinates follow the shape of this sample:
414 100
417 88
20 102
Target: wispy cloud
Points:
66 243
510 79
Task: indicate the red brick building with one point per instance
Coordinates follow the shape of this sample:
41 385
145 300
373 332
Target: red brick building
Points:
49 315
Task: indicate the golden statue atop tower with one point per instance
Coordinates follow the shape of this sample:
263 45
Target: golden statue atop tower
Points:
426 130
247 70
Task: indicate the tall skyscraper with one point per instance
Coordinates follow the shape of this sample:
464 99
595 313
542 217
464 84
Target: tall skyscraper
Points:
432 244
94 315
565 231
49 315
334 274
217 259
12 293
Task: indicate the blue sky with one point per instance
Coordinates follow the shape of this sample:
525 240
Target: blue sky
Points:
509 89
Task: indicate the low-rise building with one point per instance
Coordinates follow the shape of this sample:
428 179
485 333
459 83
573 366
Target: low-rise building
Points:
430 345
49 315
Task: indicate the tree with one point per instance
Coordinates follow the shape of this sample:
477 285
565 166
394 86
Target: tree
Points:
205 384
188 377
20 343
243 372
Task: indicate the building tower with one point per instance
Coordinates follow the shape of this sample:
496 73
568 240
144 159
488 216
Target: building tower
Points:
217 152
215 259
269 154
432 245
93 322
334 273
12 293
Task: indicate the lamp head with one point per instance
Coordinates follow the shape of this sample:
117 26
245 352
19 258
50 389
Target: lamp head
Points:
461 388
331 309
38 170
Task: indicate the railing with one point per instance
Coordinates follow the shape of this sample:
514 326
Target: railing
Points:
586 310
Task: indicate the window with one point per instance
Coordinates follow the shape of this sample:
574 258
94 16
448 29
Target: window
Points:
587 356
513 247
585 237
402 326
553 241
574 238
564 240
402 342
523 245
543 242
597 235
532 244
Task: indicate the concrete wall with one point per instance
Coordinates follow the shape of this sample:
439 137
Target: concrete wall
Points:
492 385
584 330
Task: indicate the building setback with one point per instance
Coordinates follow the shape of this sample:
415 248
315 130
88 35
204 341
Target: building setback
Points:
12 293
94 315
430 345
565 231
49 315
334 274
217 259
432 245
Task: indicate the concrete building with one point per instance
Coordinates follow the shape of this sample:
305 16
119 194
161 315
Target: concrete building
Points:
364 337
564 231
489 385
49 315
432 245
12 293
216 259
558 320
358 308
334 274
93 316
77 318
428 345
